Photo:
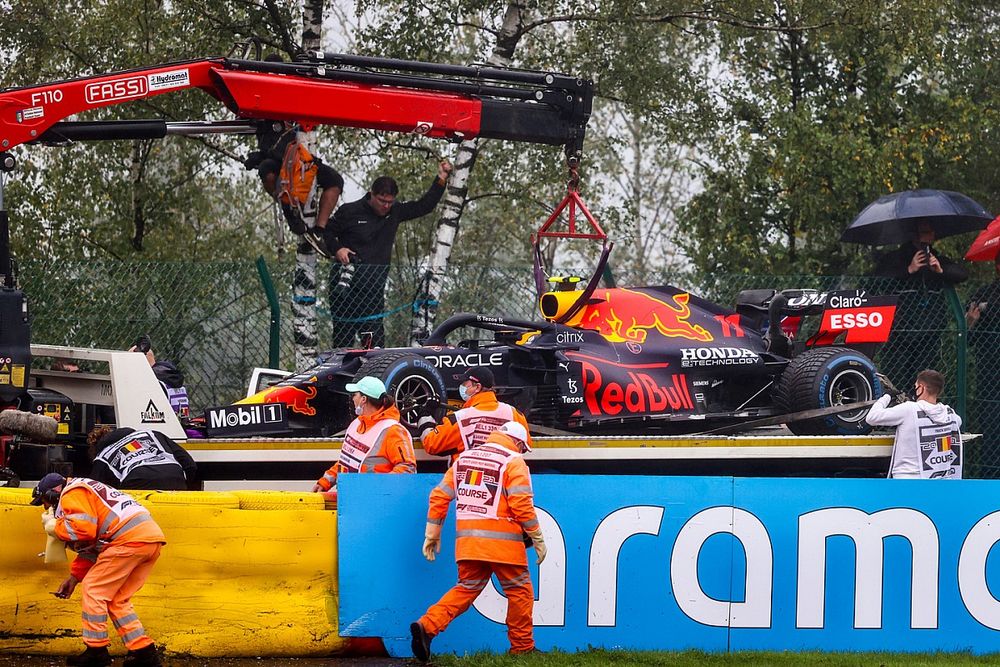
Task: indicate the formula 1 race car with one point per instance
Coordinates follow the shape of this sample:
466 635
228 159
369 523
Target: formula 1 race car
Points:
647 359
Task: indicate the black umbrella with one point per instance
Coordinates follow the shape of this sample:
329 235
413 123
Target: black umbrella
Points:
895 218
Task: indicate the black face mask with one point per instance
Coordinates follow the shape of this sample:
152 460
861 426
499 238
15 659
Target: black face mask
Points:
915 393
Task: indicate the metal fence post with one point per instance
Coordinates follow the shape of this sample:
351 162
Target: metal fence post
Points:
961 352
272 301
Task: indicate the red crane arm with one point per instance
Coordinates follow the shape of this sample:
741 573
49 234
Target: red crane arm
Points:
27 113
322 102
443 101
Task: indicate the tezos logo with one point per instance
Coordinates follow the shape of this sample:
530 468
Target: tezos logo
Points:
116 89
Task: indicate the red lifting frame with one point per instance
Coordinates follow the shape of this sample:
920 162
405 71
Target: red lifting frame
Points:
573 201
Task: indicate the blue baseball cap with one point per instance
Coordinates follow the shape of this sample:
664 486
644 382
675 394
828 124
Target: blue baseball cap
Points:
369 386
45 485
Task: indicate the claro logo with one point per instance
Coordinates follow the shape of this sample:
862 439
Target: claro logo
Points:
116 89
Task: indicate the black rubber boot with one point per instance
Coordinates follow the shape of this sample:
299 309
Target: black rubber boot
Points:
91 657
144 657
421 643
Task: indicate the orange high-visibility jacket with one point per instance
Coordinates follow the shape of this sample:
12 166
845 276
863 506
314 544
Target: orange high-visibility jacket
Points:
446 439
391 451
92 516
494 540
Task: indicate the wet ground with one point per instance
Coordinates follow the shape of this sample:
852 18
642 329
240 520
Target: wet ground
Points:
12 660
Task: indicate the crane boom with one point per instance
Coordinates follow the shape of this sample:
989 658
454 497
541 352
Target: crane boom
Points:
442 101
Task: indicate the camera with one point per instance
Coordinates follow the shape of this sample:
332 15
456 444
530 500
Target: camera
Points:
347 272
142 344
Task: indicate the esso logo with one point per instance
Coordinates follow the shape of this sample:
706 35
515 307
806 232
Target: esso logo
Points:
855 320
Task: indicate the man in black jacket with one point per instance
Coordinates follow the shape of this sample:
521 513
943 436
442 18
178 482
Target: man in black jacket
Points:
919 274
362 235
146 459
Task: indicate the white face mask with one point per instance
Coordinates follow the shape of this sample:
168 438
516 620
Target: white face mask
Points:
359 408
463 392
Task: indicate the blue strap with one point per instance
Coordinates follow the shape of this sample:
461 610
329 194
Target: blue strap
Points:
415 306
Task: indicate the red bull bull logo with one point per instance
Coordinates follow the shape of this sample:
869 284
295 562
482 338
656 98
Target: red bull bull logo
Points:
295 398
626 316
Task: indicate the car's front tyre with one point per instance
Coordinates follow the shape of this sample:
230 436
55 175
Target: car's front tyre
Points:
412 381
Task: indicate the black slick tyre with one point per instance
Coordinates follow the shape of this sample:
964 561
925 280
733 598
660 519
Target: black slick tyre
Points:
411 380
823 378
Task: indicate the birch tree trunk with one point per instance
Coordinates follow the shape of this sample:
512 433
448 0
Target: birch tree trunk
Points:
304 278
457 190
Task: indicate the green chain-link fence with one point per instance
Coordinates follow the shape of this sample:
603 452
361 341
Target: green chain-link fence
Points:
213 320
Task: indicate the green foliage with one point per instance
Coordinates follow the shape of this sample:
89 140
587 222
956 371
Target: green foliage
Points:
173 198
748 134
813 124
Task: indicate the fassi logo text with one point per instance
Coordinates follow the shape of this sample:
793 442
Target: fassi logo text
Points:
640 394
117 89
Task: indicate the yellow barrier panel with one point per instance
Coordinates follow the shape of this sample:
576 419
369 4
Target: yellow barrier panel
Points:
229 582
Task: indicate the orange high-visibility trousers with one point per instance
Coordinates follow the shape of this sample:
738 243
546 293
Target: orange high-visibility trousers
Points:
108 587
473 576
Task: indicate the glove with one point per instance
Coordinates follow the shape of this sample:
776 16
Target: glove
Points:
539 542
887 386
49 522
253 160
55 549
432 541
426 423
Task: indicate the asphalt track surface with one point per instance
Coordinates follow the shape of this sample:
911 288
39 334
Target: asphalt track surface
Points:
13 660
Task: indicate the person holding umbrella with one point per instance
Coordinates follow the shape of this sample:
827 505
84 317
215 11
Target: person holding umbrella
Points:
915 219
918 261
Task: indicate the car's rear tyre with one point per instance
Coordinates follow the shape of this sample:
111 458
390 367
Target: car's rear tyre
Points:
412 381
824 378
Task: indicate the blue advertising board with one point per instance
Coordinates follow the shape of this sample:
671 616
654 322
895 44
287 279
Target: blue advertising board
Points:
713 563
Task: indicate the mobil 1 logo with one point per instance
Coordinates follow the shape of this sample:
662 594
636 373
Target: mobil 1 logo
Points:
258 419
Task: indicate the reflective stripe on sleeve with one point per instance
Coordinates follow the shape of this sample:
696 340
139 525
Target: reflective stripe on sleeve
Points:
519 491
73 537
436 522
86 518
372 461
445 489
